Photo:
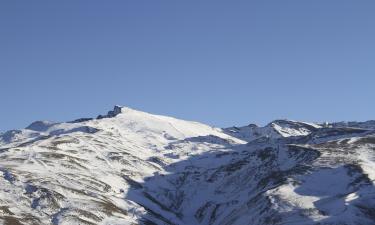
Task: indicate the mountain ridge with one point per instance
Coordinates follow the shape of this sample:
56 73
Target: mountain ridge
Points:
132 167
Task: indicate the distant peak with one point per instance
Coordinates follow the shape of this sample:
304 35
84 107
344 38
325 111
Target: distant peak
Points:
292 123
40 125
253 125
282 121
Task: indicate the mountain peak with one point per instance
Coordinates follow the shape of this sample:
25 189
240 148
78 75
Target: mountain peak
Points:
117 109
40 125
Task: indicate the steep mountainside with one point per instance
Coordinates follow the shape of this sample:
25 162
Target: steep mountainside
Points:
131 167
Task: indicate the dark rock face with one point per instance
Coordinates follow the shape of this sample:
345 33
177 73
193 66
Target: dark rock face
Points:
116 110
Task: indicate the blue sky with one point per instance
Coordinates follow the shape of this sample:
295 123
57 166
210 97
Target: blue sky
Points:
219 62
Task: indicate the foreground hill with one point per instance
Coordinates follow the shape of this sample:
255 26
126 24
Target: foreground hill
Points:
131 167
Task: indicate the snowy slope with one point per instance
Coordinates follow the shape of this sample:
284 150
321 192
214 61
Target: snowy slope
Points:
131 167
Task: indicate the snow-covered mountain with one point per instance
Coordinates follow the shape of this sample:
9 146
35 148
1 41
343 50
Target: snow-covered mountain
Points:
131 167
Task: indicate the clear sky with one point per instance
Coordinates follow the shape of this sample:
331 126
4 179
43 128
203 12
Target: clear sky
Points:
219 62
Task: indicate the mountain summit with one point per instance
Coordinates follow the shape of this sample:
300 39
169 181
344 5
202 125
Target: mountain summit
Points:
132 167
